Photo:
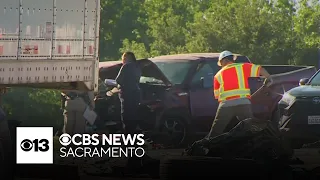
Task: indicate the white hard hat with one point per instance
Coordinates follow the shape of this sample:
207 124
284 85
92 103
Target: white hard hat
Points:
222 55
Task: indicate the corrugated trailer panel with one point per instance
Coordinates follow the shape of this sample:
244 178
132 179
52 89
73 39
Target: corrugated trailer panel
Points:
48 29
9 28
49 43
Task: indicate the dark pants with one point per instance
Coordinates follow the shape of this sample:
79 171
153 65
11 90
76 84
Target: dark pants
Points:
130 121
225 114
129 111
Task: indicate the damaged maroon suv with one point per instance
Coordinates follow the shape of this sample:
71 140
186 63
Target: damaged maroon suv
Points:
177 94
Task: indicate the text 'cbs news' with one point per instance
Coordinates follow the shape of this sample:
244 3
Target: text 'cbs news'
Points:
95 145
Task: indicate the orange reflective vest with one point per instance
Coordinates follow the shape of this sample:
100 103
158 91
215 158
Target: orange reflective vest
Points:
231 82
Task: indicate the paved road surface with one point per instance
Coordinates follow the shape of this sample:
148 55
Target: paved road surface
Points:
311 158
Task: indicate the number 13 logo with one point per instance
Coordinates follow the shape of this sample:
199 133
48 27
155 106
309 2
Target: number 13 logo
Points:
36 145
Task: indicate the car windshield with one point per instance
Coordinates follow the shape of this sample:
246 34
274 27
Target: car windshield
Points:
175 71
315 81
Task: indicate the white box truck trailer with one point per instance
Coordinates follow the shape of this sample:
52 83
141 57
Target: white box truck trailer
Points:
49 43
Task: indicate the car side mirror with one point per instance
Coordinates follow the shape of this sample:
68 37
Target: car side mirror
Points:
303 81
110 82
207 81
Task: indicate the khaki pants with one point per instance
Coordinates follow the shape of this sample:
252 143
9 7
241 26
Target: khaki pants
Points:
225 114
74 122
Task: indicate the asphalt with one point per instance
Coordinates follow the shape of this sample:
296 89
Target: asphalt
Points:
309 156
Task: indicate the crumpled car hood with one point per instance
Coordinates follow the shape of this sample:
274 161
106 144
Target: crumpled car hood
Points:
110 70
305 91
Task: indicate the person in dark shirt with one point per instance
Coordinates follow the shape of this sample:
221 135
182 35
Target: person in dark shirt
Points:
128 80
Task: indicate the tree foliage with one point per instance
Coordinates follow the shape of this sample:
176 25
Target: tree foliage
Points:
33 106
267 31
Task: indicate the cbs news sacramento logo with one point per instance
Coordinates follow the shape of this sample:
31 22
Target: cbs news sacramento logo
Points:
100 145
34 145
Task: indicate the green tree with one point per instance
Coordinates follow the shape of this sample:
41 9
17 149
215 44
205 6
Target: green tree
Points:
256 28
306 26
33 106
139 49
167 24
119 21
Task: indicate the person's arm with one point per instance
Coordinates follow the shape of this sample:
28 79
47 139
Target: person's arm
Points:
257 70
120 81
63 100
121 75
216 87
263 72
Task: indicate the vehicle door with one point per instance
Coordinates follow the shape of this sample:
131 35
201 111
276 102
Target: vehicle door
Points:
203 106
262 98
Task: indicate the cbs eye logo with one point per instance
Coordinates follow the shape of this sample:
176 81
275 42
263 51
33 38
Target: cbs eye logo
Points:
36 145
65 139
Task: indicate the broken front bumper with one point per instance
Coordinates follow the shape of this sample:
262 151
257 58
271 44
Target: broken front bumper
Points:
296 120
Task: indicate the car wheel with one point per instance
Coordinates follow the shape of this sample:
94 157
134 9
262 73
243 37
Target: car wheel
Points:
209 167
173 132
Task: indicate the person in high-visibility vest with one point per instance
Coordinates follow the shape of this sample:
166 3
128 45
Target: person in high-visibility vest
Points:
232 90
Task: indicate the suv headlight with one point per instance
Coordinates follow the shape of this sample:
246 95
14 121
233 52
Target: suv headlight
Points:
288 99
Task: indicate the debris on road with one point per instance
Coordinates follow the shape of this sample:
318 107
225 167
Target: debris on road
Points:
312 145
251 138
